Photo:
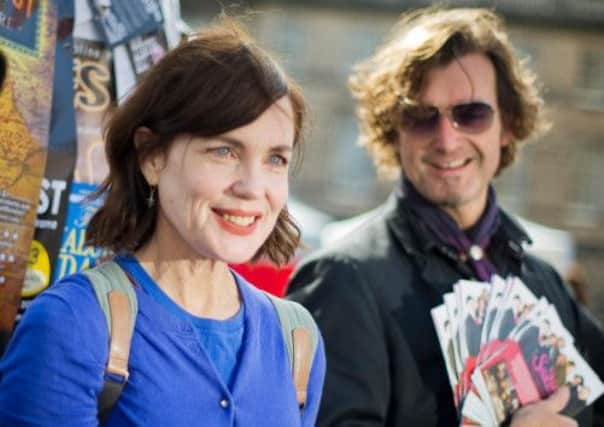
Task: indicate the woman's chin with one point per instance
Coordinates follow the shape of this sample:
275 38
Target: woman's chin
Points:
237 258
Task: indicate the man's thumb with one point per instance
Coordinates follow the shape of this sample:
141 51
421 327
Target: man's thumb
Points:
557 401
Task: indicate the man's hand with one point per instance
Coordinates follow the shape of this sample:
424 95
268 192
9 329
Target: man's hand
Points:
545 413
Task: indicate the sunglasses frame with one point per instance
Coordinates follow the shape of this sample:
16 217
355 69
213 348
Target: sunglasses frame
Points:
421 123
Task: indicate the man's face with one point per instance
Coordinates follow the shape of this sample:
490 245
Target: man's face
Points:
449 165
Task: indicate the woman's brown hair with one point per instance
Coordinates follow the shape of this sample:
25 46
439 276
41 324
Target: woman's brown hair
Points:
215 81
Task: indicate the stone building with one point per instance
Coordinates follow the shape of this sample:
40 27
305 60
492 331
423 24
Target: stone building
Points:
558 181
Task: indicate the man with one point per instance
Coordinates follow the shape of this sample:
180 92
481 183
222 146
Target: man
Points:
446 102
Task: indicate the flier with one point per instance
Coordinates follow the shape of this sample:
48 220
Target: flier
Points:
121 20
514 350
28 32
93 98
114 42
52 207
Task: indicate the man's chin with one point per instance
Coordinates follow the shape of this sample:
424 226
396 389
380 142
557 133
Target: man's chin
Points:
445 199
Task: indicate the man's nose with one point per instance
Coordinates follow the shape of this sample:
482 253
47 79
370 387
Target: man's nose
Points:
447 135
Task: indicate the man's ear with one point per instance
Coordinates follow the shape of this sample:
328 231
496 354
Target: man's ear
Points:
506 138
152 163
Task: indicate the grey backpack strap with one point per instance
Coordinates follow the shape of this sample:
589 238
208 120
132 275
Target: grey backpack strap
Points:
107 277
117 299
301 339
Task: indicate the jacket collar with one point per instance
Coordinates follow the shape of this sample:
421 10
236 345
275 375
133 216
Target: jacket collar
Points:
418 241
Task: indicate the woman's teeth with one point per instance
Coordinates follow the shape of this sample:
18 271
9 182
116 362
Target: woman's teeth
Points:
239 220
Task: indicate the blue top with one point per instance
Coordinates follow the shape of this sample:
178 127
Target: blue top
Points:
53 369
221 339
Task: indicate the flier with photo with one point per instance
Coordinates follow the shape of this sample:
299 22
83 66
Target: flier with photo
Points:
121 20
443 326
525 355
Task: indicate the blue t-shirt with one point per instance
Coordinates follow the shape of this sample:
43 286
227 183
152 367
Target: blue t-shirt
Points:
220 338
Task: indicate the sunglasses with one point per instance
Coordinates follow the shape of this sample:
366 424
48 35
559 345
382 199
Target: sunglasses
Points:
472 118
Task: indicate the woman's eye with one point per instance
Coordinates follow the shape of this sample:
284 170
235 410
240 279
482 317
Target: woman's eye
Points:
278 160
223 151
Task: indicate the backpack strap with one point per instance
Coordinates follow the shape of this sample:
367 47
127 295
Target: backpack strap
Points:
117 299
301 340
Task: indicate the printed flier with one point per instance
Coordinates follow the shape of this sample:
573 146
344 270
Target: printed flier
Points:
74 254
93 98
121 20
514 350
61 153
28 32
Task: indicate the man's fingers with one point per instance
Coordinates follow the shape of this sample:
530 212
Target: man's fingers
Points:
546 412
557 401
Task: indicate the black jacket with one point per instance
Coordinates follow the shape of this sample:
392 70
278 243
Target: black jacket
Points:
371 295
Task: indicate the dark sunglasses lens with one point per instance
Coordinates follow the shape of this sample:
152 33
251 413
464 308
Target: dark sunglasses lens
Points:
472 117
421 119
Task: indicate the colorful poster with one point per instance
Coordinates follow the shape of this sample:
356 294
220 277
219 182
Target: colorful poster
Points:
74 254
52 207
92 100
121 20
140 48
115 41
28 32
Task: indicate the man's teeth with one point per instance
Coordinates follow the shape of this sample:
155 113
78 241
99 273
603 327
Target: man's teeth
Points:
239 220
453 164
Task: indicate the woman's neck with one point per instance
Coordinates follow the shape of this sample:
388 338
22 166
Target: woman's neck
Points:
202 287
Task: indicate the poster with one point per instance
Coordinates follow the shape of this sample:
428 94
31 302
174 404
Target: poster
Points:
92 100
61 152
28 32
106 64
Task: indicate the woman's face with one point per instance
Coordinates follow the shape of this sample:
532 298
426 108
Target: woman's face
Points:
219 197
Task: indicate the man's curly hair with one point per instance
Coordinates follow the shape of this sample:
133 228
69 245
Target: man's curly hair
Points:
429 38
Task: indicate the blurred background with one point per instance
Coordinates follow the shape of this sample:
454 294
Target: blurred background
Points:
558 182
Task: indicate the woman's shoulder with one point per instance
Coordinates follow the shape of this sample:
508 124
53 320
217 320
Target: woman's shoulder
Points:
59 348
67 307
63 323
73 292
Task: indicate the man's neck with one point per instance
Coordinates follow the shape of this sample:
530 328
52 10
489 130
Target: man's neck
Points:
466 215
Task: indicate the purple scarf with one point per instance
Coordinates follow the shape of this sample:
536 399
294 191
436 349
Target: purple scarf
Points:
471 244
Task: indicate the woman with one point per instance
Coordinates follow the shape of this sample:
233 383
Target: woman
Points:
199 157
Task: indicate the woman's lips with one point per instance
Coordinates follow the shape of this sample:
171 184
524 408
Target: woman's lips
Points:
238 222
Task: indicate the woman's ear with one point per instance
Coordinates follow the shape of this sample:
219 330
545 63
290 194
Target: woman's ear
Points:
151 163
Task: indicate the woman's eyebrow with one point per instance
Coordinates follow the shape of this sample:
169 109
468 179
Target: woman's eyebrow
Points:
230 140
240 144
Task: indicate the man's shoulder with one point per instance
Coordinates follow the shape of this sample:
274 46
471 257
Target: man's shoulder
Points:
536 264
368 257
363 244
362 237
